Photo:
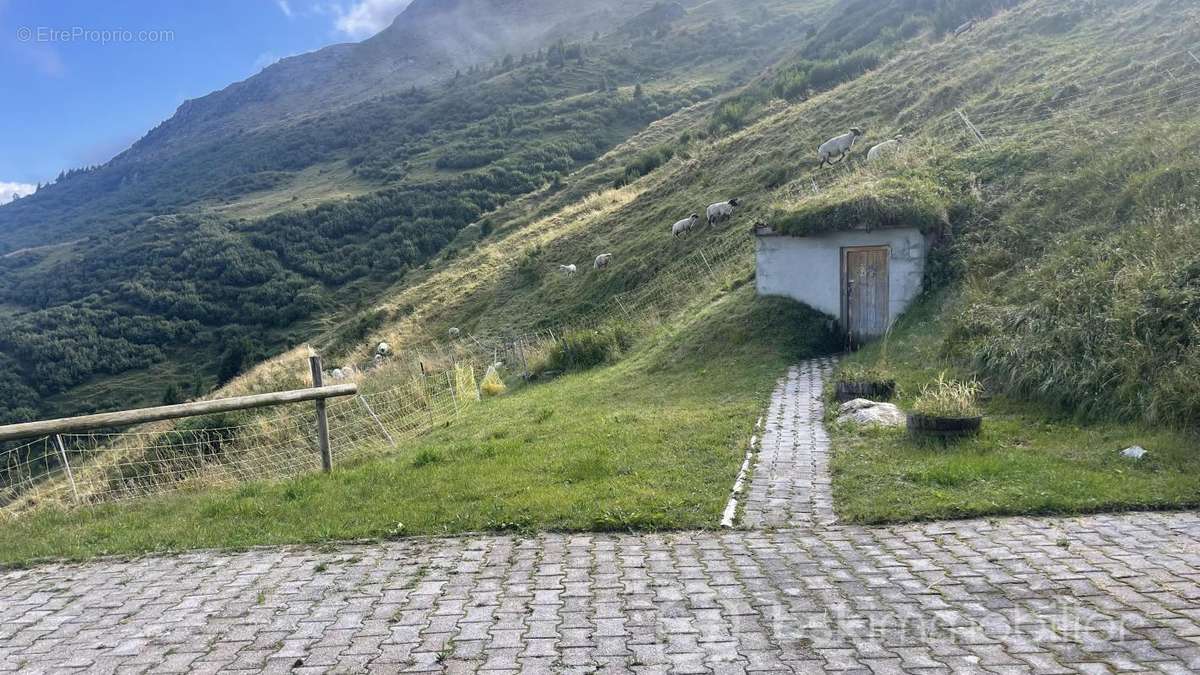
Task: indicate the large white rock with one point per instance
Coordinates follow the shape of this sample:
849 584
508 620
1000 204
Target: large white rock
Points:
862 412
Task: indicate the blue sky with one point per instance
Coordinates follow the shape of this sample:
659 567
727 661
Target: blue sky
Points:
72 95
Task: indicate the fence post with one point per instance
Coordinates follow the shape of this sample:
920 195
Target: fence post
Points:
428 394
453 396
525 374
970 125
710 270
62 452
375 417
314 362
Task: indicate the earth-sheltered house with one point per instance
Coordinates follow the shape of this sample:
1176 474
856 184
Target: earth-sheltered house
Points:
856 252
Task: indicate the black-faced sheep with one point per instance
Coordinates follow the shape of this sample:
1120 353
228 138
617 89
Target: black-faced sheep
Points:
838 146
684 226
719 213
454 333
383 350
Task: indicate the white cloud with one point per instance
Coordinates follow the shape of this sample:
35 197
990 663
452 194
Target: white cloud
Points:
10 191
367 17
284 7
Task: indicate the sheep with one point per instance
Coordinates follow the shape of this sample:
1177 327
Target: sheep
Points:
885 148
838 145
454 333
684 226
568 269
338 374
719 213
603 261
383 350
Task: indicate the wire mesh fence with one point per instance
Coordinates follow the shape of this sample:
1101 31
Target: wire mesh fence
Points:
407 395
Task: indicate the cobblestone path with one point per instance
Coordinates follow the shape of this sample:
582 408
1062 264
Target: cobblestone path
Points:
1113 593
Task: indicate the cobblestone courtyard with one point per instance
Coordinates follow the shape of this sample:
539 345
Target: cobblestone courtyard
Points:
794 592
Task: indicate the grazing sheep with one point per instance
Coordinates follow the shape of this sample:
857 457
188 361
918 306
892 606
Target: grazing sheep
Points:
568 269
454 333
684 226
838 145
719 213
966 27
603 261
885 148
338 374
384 350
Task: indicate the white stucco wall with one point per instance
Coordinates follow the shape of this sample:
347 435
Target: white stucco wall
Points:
809 269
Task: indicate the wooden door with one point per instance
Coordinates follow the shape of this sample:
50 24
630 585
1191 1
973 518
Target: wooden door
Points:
865 292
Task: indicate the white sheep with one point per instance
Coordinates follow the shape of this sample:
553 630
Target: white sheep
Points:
568 269
719 213
885 148
338 374
603 261
838 145
454 333
684 226
384 350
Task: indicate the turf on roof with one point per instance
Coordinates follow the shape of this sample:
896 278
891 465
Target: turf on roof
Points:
910 200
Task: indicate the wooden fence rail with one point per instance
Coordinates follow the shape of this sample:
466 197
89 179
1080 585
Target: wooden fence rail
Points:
171 412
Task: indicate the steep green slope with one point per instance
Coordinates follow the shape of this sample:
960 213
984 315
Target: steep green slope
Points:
161 275
1069 229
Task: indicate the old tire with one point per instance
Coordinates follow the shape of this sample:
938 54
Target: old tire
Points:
944 427
872 391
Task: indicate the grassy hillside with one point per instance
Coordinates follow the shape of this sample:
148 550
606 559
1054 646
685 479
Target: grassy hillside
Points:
225 250
1061 271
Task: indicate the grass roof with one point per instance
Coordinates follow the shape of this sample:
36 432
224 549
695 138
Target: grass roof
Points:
866 202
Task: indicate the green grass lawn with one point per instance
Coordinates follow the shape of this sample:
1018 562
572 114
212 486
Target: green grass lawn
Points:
653 442
1029 459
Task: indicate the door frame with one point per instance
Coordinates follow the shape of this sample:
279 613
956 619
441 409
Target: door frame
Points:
844 286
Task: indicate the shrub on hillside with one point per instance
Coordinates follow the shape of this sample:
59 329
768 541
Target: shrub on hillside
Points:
586 349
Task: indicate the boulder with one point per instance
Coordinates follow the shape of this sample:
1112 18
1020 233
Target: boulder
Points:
862 412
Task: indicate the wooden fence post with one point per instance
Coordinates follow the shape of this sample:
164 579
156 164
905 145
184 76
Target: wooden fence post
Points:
62 452
322 418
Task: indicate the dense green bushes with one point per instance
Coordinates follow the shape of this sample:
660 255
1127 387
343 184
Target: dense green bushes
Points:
587 349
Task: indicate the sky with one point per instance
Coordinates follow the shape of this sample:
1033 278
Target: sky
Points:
81 80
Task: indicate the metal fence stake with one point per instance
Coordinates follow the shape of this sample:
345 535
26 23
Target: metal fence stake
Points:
322 418
62 451
375 417
453 397
971 125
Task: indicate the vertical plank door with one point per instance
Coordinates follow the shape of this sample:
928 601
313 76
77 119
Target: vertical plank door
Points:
865 292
